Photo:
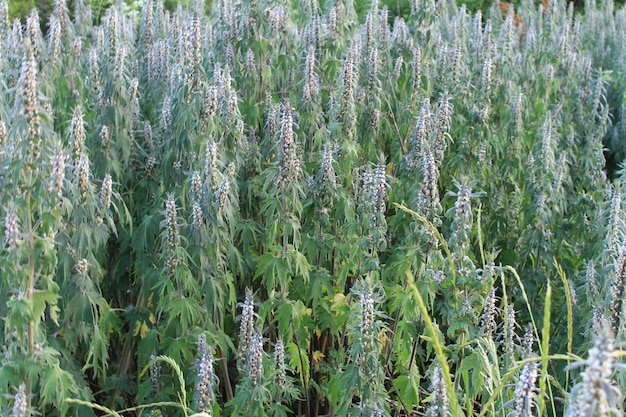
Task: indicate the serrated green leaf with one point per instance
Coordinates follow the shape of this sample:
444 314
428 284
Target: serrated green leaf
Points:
299 361
56 386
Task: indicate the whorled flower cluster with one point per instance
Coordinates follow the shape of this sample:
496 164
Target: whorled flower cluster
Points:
325 182
254 363
366 319
155 373
349 80
246 329
197 216
290 164
12 235
166 115
311 88
83 176
439 404
428 199
106 192
206 379
210 101
81 267
105 137
28 95
211 164
196 184
77 133
20 403
596 394
172 231
57 174
54 36
279 363
364 328
3 134
525 396
488 325
462 220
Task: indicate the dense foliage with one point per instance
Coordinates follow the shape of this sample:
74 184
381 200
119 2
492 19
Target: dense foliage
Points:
278 209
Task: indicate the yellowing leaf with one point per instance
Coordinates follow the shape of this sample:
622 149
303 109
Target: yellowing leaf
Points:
317 331
318 356
338 300
141 329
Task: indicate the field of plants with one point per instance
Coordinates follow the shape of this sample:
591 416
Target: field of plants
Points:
286 208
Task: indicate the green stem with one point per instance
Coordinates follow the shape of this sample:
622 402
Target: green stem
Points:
437 345
30 288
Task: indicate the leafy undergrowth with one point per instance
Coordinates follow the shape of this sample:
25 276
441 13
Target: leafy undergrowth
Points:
279 210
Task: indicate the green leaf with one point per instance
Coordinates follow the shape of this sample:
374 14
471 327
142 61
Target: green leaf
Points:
408 389
42 298
273 268
299 361
473 366
56 386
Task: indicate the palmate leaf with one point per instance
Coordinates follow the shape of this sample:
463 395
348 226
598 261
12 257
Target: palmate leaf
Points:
147 231
56 386
274 269
20 312
300 264
41 298
409 389
299 361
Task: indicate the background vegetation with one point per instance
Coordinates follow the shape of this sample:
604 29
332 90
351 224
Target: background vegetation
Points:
300 208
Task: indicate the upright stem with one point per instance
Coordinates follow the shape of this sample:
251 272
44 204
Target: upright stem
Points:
307 409
30 233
